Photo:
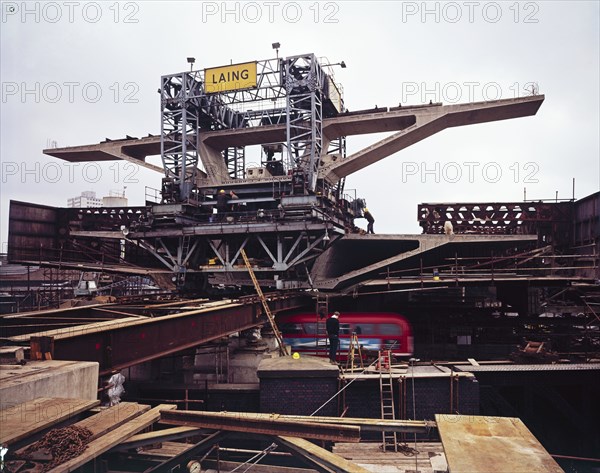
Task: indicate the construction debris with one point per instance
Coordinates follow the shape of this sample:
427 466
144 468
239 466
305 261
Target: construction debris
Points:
534 352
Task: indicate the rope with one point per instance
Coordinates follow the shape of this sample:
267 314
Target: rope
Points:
339 392
259 456
412 371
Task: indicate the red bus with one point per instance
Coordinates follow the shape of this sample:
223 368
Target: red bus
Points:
305 333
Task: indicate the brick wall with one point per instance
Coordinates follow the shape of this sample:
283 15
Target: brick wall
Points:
297 385
432 396
299 396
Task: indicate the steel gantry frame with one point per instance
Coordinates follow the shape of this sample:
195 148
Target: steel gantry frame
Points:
288 91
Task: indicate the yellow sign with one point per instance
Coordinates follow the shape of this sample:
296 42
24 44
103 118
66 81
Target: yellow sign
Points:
227 78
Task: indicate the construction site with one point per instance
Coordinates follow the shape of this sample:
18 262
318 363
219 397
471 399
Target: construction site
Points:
191 333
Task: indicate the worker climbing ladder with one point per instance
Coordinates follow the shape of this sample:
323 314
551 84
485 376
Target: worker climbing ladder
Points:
354 350
263 300
386 391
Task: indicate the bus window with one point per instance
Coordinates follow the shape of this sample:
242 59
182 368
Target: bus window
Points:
389 329
311 328
364 329
345 329
291 329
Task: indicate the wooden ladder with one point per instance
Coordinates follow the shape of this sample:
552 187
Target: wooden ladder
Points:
353 350
386 392
263 300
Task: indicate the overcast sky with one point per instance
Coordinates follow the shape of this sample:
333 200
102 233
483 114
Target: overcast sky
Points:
74 73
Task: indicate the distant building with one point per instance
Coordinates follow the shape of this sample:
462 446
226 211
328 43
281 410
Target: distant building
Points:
115 199
86 199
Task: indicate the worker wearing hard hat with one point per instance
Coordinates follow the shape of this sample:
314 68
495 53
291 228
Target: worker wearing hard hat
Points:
370 220
222 199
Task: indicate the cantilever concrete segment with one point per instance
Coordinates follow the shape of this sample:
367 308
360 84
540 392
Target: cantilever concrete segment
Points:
133 150
412 123
428 121
373 253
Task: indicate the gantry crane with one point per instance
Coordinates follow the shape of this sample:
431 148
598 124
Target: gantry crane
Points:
271 136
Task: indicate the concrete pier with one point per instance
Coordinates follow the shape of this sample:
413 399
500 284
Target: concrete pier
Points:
51 378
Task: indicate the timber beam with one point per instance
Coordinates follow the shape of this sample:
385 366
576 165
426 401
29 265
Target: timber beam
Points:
249 423
318 457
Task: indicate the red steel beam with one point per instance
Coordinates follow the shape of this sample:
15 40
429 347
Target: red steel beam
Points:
116 345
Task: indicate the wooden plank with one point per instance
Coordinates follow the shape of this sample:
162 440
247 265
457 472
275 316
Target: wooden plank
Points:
23 420
106 442
428 457
320 457
166 450
156 436
492 445
105 420
422 461
112 417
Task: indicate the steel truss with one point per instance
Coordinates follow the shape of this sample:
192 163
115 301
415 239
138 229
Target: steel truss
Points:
285 254
179 134
235 157
338 148
304 80
507 218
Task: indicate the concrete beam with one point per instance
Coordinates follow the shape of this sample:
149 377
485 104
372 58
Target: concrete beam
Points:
429 121
133 150
413 123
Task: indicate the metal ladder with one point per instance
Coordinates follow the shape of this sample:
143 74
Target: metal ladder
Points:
320 330
386 392
262 298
